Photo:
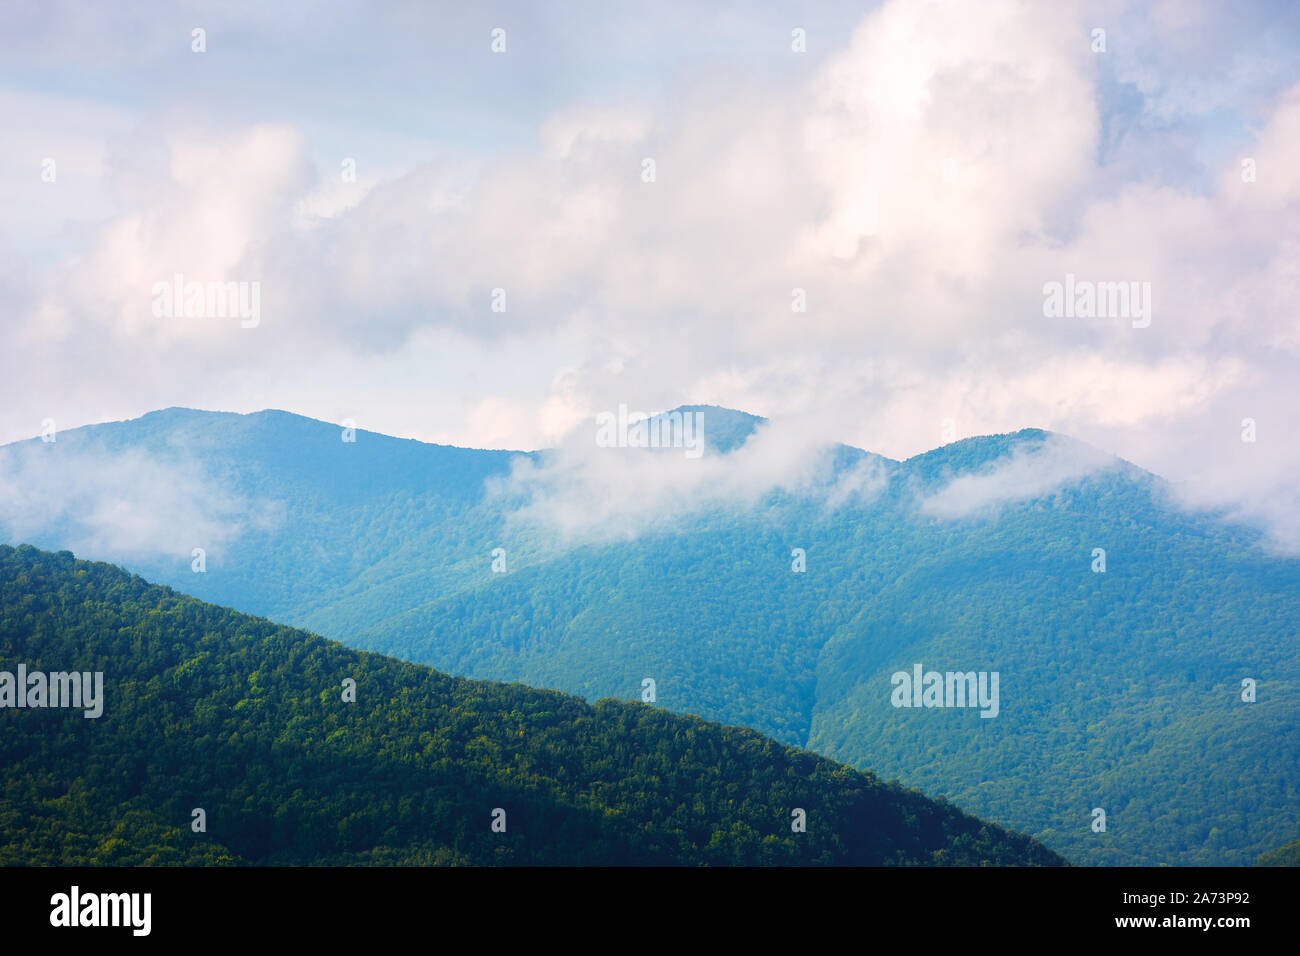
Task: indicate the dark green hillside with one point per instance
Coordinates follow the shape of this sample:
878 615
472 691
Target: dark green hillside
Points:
1288 855
206 707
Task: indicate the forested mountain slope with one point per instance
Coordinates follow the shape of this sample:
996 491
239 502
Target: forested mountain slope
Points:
206 708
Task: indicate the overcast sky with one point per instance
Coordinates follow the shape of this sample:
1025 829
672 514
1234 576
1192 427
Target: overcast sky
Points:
920 171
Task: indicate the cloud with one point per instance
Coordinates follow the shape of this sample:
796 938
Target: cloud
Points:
1029 471
857 486
104 503
583 491
919 178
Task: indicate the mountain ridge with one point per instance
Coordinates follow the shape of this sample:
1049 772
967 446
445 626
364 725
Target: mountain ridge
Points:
174 412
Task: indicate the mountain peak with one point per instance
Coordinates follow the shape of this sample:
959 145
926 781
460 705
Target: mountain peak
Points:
725 429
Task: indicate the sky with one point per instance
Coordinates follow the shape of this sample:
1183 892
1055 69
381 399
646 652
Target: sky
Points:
855 215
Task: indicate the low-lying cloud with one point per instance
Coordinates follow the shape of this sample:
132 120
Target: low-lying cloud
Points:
128 504
1029 471
581 490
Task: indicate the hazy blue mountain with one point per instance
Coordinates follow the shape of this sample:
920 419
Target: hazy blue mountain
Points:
1119 690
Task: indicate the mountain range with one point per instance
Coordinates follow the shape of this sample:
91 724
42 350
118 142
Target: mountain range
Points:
1145 654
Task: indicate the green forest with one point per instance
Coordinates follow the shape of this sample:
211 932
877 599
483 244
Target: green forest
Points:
206 708
1288 855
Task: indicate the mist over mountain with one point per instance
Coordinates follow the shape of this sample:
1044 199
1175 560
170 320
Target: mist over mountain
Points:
778 580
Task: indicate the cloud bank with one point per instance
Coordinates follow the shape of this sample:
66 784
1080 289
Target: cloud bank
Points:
858 235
